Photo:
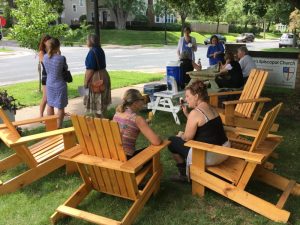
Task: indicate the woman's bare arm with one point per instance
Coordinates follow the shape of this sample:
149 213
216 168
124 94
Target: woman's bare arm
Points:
147 131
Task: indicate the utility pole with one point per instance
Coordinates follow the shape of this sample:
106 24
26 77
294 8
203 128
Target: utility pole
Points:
96 20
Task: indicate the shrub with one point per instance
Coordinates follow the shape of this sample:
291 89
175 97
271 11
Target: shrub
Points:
8 102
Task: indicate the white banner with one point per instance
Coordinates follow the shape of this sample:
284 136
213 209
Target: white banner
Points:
282 72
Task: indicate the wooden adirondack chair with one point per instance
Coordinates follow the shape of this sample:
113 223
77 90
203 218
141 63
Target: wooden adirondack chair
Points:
243 112
41 158
246 159
103 167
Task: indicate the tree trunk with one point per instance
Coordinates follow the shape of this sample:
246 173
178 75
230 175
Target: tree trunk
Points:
218 23
121 18
150 13
268 26
183 18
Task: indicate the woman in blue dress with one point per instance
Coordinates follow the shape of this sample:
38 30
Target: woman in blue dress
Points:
57 94
215 52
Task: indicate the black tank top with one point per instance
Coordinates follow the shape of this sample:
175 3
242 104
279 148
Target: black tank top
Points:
212 132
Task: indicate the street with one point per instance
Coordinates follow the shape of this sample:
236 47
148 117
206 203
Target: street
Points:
21 65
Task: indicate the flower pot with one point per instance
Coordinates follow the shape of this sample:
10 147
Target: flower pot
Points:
10 114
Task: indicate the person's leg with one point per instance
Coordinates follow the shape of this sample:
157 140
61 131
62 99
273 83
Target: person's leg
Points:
61 114
179 154
50 110
43 101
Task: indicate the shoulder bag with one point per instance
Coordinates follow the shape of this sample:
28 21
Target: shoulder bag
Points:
66 73
97 84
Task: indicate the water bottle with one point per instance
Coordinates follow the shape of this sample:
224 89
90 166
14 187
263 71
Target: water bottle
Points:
199 62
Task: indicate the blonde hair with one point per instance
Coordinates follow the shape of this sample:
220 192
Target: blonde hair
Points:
130 96
53 46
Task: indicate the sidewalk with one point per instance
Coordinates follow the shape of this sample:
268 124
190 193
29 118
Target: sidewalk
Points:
75 106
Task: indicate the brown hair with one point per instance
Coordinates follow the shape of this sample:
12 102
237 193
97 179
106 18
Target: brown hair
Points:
42 44
229 55
198 87
54 45
93 40
130 96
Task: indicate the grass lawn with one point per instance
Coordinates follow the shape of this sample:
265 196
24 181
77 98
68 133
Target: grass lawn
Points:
174 204
5 50
288 49
118 79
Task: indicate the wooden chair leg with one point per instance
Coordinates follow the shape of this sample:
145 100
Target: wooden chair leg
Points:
275 180
31 175
73 201
141 201
242 197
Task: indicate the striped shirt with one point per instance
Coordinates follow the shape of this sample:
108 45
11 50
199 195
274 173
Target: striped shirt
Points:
129 130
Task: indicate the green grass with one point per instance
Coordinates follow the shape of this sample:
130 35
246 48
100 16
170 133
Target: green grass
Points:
5 50
296 50
174 204
269 35
118 79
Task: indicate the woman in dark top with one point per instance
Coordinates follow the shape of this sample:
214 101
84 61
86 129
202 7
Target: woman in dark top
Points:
42 52
187 65
203 124
231 74
96 103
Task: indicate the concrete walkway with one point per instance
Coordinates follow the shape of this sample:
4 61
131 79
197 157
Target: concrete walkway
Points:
75 105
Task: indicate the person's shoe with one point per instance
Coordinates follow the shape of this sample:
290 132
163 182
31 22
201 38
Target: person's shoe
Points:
179 178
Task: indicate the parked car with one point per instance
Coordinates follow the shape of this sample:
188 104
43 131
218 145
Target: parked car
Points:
0 36
222 39
286 40
245 37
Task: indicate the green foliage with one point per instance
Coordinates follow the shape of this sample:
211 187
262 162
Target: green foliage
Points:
294 20
33 20
77 35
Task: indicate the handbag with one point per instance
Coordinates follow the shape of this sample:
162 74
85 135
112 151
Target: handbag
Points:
97 86
67 76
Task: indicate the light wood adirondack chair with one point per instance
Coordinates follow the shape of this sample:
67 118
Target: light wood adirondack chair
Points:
244 112
41 158
246 159
103 167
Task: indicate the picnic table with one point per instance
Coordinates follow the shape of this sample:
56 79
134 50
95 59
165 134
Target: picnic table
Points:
167 101
208 74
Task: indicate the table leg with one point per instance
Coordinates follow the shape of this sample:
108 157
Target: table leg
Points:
174 113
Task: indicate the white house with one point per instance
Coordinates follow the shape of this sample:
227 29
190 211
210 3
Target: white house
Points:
73 10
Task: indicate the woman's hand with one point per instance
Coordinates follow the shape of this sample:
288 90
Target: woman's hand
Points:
180 134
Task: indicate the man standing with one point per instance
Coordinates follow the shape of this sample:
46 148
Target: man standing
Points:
246 62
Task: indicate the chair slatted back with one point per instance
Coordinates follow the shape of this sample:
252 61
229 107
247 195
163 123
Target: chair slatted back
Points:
102 138
252 90
10 134
265 126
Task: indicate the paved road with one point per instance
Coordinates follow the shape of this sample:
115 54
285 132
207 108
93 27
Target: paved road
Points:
23 65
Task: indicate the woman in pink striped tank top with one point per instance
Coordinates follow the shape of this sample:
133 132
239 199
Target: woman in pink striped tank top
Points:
132 124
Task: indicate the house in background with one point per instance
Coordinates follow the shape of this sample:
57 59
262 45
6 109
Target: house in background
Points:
73 10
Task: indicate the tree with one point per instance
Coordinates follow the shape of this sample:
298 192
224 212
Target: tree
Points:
57 6
295 23
33 20
122 8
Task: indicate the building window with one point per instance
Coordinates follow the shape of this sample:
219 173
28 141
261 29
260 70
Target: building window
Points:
74 8
156 19
93 18
80 2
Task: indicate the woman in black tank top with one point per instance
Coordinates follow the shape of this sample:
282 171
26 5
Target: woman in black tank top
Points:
203 124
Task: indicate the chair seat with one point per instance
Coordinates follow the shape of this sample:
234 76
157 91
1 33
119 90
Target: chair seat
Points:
47 148
231 169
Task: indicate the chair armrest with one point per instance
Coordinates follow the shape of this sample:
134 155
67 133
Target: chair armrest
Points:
29 121
224 93
248 156
247 132
144 156
43 135
235 102
75 155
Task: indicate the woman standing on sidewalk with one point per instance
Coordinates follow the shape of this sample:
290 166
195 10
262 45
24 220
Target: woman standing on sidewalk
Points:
57 94
42 52
96 103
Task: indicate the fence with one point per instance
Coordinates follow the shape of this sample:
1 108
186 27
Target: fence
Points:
209 27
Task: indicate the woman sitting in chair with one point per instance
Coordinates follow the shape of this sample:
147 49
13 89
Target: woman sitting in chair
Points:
231 75
203 124
132 124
